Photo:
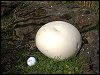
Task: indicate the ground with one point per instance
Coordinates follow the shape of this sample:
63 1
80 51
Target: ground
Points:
14 55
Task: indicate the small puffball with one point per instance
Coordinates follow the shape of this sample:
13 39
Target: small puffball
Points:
31 61
58 40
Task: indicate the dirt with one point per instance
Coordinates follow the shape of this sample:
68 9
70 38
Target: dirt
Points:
29 17
8 6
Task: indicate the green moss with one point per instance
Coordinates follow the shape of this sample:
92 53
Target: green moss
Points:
43 65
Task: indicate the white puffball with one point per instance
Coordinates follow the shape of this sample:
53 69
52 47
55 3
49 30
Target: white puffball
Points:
31 61
58 39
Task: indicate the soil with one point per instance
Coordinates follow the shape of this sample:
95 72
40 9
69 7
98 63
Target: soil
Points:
30 16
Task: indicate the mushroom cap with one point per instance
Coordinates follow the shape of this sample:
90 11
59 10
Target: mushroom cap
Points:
58 40
31 61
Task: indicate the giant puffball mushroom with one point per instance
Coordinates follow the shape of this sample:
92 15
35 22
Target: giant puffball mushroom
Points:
58 40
